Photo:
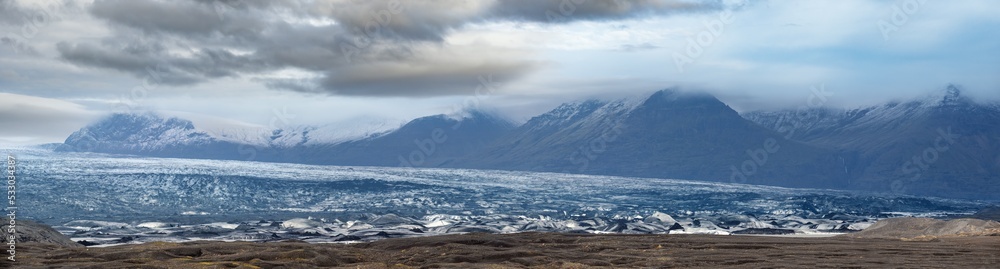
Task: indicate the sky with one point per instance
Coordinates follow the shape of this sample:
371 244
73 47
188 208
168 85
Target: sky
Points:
64 64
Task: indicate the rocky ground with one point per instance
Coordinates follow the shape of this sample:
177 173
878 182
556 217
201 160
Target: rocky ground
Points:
887 245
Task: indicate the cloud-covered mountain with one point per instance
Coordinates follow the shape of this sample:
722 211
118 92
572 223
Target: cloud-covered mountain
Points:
670 134
944 145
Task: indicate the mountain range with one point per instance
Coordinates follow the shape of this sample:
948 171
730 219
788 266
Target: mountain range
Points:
946 146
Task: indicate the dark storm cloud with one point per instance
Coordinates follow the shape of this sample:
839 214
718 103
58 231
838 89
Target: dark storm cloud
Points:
154 62
406 20
354 47
179 17
432 19
561 11
451 78
21 21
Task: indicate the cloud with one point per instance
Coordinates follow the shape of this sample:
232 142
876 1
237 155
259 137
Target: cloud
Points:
18 45
29 119
10 75
21 21
12 13
407 20
432 73
639 47
432 19
179 17
559 11
151 61
348 47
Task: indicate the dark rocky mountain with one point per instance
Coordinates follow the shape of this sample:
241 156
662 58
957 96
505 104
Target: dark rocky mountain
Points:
946 145
670 134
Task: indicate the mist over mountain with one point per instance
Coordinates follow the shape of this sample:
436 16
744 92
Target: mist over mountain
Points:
942 146
424 142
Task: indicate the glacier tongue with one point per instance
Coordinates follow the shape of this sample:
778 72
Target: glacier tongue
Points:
107 200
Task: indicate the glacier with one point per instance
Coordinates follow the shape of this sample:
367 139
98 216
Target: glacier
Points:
105 199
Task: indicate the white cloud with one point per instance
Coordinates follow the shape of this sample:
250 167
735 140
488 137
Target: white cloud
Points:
32 120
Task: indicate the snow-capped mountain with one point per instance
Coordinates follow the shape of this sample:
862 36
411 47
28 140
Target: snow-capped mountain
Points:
669 134
305 135
946 144
142 134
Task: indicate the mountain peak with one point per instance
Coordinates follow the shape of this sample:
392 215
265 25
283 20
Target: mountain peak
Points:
566 113
147 118
675 95
472 117
674 99
952 91
135 122
950 96
471 114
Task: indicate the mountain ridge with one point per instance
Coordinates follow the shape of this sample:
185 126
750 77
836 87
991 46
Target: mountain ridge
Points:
945 142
